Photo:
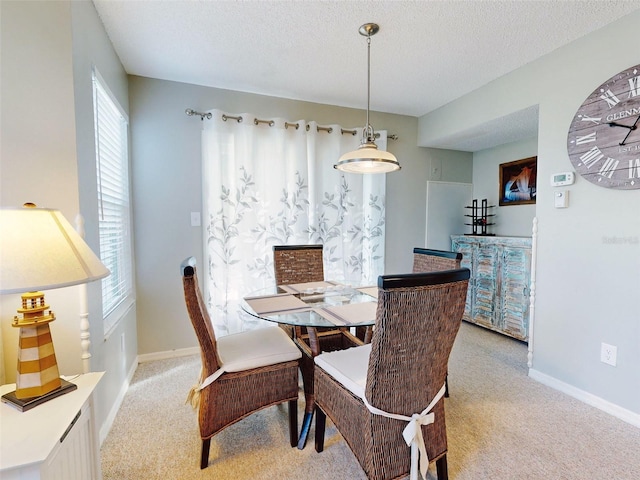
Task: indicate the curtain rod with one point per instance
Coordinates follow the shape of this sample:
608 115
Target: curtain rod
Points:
271 123
191 112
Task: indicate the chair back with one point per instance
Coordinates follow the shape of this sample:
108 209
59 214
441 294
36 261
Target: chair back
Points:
297 264
410 348
199 318
429 260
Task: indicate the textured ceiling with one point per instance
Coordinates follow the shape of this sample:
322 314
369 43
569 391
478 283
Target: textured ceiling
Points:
426 54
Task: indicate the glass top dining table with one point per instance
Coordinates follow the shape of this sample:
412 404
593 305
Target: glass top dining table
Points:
314 304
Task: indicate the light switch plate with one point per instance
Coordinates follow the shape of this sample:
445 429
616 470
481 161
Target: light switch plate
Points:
561 198
195 219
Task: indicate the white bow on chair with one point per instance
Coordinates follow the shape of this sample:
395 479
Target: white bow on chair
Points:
412 433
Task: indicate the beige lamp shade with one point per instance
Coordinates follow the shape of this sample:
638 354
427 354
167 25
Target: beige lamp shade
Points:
39 250
368 159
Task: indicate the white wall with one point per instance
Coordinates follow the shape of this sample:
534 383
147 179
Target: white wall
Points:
48 157
587 287
38 161
510 220
167 187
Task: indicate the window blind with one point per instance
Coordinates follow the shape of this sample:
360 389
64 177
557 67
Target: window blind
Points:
113 200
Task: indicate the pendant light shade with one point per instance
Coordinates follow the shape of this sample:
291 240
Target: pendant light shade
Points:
368 158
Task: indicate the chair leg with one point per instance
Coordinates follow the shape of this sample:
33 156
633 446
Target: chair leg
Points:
368 335
441 468
293 422
204 457
446 386
321 420
364 333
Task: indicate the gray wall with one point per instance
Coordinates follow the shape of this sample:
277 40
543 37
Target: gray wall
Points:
48 158
92 48
167 187
511 220
587 286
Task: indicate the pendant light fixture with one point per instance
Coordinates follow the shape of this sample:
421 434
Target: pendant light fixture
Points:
367 158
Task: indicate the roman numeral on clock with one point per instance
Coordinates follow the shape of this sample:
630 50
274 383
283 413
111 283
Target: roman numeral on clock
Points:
610 165
634 87
586 139
634 168
610 98
586 118
591 157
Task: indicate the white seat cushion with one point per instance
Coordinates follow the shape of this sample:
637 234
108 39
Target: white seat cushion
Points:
256 348
349 367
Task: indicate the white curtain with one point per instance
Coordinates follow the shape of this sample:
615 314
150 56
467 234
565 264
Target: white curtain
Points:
275 185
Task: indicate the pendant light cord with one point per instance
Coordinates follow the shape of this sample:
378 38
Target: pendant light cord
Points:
368 135
368 78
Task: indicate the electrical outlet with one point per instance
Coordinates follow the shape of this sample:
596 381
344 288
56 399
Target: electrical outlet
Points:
608 354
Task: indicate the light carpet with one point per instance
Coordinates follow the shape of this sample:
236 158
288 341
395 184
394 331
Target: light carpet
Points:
500 425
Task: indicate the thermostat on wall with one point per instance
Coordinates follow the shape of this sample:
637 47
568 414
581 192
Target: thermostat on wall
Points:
560 179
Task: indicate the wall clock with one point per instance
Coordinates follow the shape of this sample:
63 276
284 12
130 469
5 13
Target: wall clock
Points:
604 136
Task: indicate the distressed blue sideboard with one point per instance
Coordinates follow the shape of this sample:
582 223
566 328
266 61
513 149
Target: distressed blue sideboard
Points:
498 295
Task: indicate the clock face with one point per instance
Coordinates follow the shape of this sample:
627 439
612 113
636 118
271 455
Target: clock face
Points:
604 136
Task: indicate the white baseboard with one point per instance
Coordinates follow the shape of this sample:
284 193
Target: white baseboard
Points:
588 398
182 352
108 423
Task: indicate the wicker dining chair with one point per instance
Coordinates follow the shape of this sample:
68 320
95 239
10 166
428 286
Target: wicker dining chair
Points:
247 371
301 264
402 371
429 260
297 264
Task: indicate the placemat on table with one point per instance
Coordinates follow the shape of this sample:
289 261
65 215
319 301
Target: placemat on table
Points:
349 314
371 291
273 304
307 287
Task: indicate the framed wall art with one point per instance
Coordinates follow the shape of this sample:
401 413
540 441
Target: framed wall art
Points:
518 182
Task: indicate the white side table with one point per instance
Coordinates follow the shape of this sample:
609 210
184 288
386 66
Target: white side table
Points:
57 440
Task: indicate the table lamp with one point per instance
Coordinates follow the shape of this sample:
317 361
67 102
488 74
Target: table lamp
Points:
39 250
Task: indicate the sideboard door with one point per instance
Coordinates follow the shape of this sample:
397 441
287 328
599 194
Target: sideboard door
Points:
466 249
498 295
515 277
487 261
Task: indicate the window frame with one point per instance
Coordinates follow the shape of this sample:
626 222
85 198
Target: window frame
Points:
118 300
